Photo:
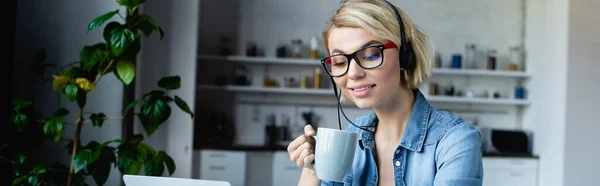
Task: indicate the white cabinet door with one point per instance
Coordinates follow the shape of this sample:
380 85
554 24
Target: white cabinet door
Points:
285 172
258 168
223 165
509 171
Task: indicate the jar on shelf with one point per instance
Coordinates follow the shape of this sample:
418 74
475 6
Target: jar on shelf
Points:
470 61
491 60
296 48
515 58
438 60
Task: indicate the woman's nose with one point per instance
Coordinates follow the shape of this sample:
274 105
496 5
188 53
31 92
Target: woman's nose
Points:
355 71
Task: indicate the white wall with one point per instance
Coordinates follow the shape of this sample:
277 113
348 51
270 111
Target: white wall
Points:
61 27
581 147
174 55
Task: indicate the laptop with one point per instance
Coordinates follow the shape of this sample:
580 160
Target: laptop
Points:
141 180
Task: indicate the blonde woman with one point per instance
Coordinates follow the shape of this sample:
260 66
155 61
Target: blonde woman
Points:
378 58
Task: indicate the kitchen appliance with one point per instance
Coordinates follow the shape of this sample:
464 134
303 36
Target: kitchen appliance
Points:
505 141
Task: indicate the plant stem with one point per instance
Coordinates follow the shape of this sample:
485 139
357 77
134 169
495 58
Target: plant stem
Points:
75 144
104 71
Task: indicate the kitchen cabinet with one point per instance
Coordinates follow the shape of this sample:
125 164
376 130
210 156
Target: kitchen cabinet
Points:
501 171
273 167
248 168
223 165
285 172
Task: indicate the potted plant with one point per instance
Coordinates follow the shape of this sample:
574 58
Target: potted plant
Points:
116 55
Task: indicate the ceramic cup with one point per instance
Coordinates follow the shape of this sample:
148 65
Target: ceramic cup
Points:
334 153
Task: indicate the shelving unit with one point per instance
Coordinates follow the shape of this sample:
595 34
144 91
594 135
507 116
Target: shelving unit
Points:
329 92
310 62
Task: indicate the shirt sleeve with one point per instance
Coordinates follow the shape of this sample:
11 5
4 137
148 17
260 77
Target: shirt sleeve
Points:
459 157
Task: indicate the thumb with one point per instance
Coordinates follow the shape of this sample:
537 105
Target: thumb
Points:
308 130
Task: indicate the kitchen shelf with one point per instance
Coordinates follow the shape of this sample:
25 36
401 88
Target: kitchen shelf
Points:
480 72
310 91
262 60
273 90
310 62
499 101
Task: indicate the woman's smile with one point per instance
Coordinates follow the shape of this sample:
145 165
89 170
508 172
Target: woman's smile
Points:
361 90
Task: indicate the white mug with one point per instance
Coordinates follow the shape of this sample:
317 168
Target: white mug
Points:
334 153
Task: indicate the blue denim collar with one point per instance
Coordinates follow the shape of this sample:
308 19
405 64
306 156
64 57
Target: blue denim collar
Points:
416 128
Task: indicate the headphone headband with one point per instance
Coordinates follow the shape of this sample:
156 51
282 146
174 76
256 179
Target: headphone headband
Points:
406 52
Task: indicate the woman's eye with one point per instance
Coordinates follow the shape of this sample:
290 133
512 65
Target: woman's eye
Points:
372 57
339 63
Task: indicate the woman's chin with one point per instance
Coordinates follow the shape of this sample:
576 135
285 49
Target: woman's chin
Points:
363 104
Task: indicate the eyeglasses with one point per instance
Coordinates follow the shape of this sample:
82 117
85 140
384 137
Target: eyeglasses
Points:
368 57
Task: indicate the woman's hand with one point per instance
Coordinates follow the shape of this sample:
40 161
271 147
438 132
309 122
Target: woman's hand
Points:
302 149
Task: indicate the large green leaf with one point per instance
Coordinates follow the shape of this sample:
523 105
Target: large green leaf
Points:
120 39
61 112
83 158
183 106
20 121
131 105
22 102
128 165
164 157
132 50
33 180
109 28
126 71
154 167
135 139
154 112
71 91
54 127
170 82
100 169
156 94
147 25
101 19
19 180
91 56
98 119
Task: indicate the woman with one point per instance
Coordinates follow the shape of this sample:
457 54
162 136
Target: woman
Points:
412 142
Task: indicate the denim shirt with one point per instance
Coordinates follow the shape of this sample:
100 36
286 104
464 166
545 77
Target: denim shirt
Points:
437 148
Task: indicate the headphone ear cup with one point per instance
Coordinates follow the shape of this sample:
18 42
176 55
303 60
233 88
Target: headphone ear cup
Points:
410 57
407 57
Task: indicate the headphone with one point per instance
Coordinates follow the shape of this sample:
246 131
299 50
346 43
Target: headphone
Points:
407 62
407 55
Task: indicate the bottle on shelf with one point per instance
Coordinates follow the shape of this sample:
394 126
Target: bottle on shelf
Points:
296 48
314 52
491 60
438 61
317 78
470 50
515 58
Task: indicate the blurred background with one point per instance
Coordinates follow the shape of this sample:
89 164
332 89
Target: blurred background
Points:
521 71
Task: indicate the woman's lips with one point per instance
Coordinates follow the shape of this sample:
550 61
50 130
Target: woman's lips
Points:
362 91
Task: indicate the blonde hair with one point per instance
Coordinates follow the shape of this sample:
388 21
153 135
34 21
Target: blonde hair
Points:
379 19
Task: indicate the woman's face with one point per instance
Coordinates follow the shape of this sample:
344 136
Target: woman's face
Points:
367 88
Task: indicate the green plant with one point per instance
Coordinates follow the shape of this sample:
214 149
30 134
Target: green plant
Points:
75 80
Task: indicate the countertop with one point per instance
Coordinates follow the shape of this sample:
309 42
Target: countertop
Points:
284 148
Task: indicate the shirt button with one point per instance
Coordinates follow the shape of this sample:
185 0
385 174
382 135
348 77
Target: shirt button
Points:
397 151
398 163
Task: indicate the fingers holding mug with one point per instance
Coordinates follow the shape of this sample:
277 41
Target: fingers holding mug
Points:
304 159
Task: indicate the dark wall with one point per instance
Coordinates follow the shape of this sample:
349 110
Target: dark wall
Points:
9 9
